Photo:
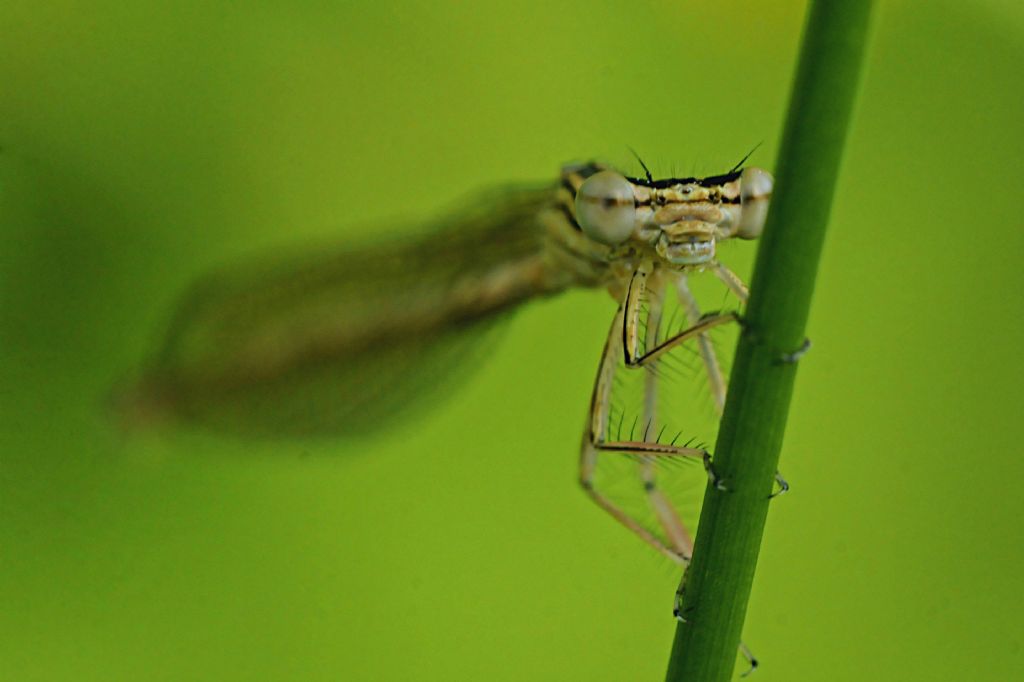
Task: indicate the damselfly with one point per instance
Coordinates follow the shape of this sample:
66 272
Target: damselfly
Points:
333 343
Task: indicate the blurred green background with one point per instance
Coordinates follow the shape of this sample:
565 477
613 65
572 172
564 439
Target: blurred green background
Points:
143 143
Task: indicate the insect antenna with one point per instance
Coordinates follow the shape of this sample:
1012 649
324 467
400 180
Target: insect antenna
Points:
647 172
744 159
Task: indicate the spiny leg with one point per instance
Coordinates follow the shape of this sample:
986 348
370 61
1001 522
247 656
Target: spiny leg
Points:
655 307
699 328
732 281
628 316
596 432
596 443
668 519
716 380
737 287
715 377
633 304
707 352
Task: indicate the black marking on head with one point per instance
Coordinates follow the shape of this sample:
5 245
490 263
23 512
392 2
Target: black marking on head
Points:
710 181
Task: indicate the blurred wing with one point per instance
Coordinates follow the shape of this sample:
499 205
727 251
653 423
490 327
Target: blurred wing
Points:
335 342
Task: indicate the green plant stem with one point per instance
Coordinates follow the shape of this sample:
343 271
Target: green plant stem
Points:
719 578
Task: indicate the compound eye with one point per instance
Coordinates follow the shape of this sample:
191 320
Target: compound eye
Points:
605 208
755 193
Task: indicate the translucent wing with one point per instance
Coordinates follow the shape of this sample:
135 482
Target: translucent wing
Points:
332 343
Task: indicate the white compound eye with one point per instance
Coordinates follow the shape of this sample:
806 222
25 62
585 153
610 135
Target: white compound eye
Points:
605 208
755 193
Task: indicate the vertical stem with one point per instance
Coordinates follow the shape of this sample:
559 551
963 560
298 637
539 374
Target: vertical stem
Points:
729 535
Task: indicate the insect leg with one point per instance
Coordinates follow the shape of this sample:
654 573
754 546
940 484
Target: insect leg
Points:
745 651
732 281
596 444
737 287
749 655
716 380
782 483
664 511
707 351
